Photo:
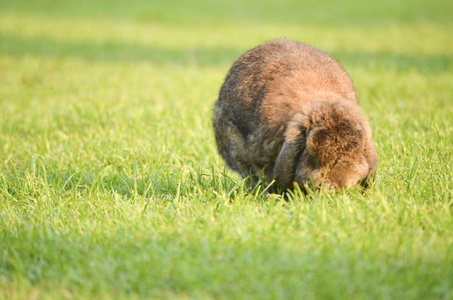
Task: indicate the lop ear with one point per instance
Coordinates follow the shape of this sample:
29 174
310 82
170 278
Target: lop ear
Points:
372 160
289 156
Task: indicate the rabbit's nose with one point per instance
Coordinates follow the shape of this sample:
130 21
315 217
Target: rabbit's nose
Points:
350 183
328 185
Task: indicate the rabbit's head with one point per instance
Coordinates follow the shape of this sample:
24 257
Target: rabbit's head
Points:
327 144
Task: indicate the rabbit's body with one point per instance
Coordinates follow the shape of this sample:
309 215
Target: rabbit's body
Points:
273 101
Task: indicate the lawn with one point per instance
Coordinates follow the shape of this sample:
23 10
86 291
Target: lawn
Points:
111 186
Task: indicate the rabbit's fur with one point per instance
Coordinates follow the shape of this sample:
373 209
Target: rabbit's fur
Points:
291 112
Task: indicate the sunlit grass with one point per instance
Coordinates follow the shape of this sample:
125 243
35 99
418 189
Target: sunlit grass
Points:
111 185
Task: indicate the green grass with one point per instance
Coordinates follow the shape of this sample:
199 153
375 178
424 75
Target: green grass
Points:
111 186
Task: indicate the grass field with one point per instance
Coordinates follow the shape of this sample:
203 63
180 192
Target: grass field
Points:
111 186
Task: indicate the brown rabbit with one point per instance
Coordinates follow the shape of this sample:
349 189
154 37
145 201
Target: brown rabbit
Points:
291 111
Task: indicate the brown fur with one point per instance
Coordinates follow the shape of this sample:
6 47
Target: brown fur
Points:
292 110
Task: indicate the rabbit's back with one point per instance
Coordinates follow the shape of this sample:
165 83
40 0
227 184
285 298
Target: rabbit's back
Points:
265 84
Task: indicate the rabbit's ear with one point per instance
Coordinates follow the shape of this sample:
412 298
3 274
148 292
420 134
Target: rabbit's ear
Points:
289 156
372 161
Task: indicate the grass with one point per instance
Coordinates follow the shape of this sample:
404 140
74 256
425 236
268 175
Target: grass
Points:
111 186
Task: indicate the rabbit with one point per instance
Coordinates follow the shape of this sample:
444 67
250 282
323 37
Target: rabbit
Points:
290 112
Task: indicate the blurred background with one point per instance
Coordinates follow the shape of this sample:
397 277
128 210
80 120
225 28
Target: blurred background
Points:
209 32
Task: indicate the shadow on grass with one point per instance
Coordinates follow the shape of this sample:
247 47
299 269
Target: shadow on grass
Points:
101 52
395 61
41 179
92 51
